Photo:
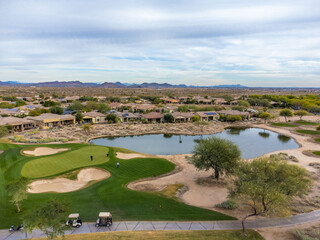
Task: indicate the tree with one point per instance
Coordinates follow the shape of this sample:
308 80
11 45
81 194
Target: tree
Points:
111 118
56 110
3 131
195 118
267 185
244 103
75 106
38 111
183 108
92 105
238 108
17 190
265 116
103 108
49 103
168 118
301 113
48 218
286 113
216 153
79 117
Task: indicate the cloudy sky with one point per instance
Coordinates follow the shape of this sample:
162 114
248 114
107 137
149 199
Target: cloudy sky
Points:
200 42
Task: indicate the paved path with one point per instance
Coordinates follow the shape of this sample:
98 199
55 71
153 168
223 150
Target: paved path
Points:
163 225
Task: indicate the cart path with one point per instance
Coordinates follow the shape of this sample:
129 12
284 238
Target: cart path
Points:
175 225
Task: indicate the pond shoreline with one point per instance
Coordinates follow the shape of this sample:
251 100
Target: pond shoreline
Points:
171 144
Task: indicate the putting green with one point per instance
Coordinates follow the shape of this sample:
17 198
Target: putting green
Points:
59 163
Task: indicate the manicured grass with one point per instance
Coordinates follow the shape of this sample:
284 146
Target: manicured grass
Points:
316 153
312 132
63 162
306 123
108 195
283 125
164 235
317 139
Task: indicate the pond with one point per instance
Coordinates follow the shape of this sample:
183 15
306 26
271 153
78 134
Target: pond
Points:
253 142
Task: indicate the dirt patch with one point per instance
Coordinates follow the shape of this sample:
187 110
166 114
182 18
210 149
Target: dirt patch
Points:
85 177
43 151
286 233
1 151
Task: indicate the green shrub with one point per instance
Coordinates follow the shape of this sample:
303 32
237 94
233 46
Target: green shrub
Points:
229 204
318 128
233 118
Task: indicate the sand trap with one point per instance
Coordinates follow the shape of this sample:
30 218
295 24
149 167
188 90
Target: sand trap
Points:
1 151
42 151
131 155
62 185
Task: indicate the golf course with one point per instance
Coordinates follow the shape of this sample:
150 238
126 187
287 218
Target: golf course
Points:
110 194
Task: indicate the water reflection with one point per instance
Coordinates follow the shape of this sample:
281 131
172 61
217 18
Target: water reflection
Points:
235 130
264 134
167 135
283 138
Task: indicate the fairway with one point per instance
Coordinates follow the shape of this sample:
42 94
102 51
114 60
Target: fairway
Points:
63 162
107 195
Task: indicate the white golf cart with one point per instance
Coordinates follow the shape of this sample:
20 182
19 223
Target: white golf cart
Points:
105 219
74 220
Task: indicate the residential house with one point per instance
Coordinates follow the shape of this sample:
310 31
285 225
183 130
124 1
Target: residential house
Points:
49 120
94 117
128 117
208 116
203 100
115 105
169 100
142 108
220 101
10 112
152 117
182 116
18 124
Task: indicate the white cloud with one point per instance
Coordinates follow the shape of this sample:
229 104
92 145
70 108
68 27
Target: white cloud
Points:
204 42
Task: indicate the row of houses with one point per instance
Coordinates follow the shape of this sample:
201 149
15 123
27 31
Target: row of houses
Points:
49 120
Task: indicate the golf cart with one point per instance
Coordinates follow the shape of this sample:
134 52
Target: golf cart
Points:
74 220
105 219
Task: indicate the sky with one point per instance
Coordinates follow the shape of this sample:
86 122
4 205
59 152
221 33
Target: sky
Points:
274 43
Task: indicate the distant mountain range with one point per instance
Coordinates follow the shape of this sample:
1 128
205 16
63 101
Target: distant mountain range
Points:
112 85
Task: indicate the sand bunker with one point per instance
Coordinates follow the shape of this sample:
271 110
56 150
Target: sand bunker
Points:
1 151
131 155
43 151
62 185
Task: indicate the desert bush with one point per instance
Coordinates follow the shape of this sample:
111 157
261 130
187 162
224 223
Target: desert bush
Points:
229 204
301 235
